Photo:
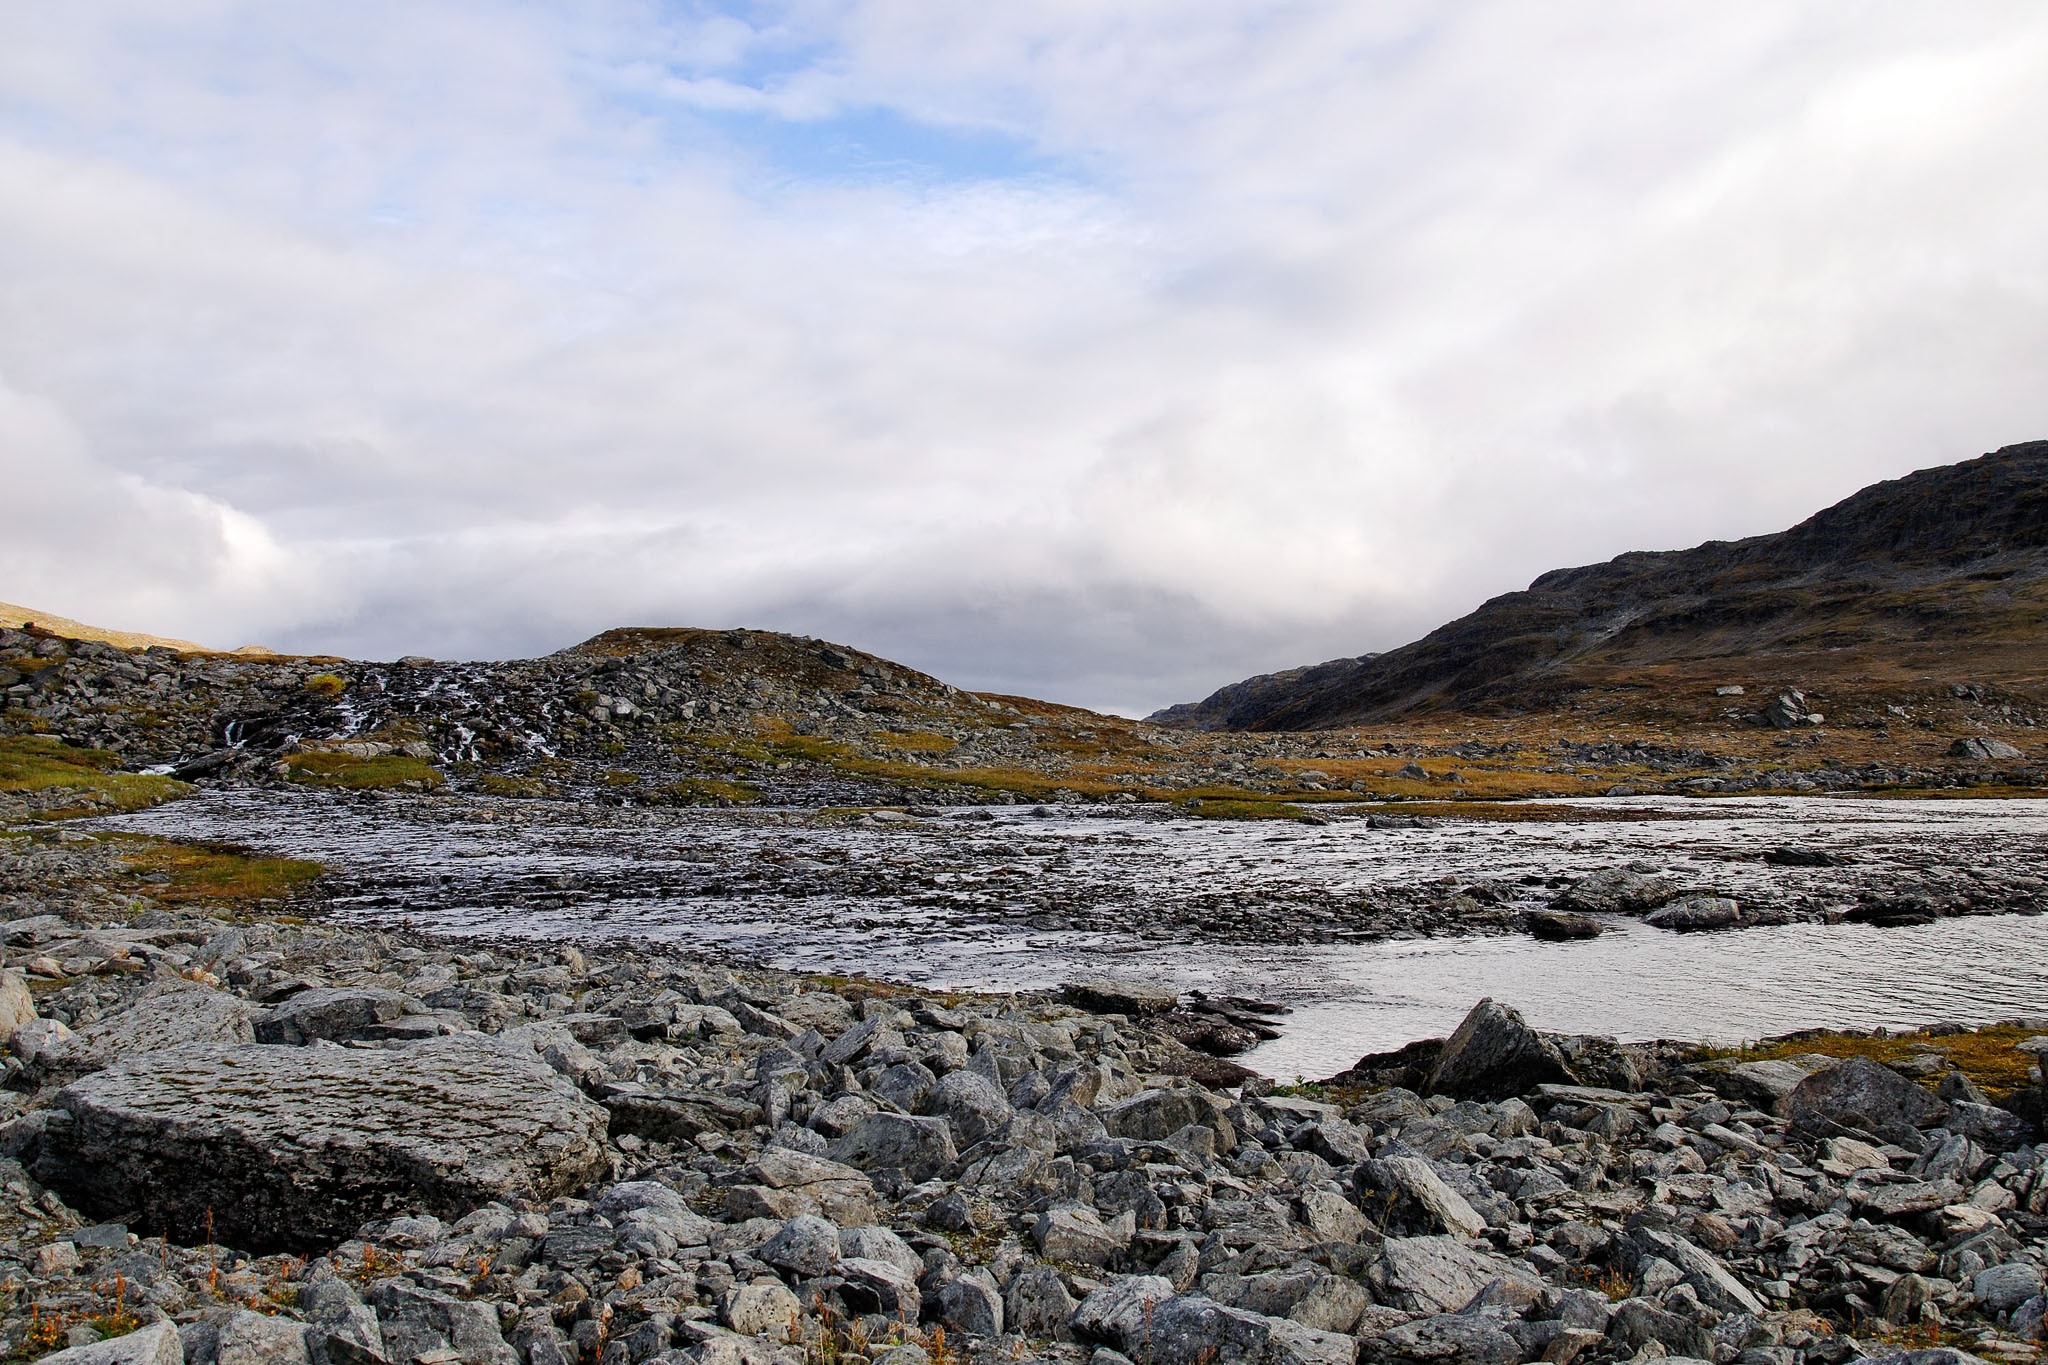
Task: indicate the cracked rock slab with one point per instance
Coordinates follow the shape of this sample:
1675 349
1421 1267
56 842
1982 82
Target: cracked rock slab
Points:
291 1148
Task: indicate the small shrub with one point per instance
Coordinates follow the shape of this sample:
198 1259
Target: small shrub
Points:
326 685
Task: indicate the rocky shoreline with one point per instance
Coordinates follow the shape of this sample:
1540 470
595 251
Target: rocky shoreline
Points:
243 1141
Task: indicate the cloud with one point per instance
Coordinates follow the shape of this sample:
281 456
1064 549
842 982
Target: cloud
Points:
1108 353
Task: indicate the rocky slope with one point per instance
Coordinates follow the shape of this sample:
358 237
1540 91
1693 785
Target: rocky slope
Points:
1944 569
247 1141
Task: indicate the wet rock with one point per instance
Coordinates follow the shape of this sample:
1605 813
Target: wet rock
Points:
1693 914
1615 892
1495 1055
290 1147
1562 926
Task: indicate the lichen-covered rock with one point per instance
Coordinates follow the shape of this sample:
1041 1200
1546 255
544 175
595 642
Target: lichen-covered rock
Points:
291 1148
1412 1198
1440 1274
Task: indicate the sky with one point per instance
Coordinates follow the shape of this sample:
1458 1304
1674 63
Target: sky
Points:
1103 353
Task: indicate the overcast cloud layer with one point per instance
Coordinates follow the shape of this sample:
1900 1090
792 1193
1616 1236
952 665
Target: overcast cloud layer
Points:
1101 352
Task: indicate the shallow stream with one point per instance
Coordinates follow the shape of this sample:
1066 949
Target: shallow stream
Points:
969 901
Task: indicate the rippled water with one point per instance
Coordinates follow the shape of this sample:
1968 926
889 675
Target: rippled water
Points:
916 903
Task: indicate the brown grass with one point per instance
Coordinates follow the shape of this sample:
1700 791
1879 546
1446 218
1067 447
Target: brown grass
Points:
221 875
1987 1056
345 771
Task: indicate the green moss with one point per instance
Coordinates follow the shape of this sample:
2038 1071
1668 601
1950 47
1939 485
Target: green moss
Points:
392 771
37 763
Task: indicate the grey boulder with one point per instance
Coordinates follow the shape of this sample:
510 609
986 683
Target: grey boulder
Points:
920 1147
1112 995
1495 1055
1412 1199
1440 1274
333 1013
1863 1094
971 1105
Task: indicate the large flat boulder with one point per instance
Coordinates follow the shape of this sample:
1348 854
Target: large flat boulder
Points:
1117 995
293 1148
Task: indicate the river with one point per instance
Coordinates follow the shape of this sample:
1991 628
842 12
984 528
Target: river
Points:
981 900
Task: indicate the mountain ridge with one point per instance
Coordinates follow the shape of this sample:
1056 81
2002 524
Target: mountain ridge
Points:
1955 555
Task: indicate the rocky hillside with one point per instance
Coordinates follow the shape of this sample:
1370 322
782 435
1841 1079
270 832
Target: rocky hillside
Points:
1946 569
